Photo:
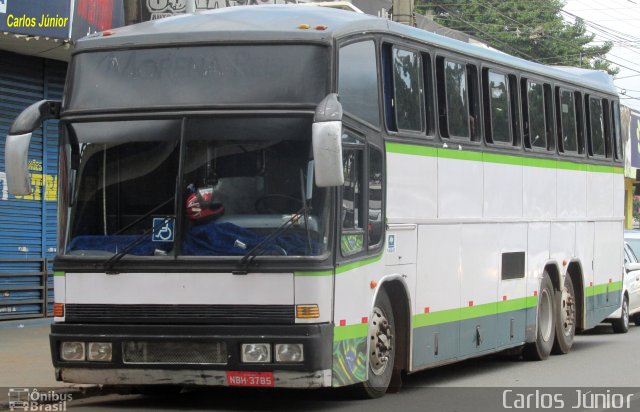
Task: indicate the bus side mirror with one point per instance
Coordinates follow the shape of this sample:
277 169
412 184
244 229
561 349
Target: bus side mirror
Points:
327 142
17 145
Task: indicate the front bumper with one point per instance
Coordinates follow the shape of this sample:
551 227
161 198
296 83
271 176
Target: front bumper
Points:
314 371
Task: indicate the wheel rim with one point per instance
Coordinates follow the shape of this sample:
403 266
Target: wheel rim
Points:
545 316
568 312
625 314
381 341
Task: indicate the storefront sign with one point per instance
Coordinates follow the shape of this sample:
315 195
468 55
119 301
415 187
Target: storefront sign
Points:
49 18
90 16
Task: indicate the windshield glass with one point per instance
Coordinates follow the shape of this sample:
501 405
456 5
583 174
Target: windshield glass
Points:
242 179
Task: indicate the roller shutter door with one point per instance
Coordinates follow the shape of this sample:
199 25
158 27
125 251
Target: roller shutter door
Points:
28 223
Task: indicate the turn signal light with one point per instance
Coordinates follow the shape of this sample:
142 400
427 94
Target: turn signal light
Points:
58 310
307 311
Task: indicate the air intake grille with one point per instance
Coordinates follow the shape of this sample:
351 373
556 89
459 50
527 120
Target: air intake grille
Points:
181 314
197 353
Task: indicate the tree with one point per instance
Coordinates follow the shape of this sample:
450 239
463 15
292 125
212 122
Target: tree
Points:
534 30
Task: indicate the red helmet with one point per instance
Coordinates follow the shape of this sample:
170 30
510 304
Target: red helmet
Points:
200 206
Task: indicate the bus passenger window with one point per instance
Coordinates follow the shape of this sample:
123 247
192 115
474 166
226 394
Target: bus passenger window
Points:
535 127
376 197
407 83
358 81
567 115
455 78
497 100
596 127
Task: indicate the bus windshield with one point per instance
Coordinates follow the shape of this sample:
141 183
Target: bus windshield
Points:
227 182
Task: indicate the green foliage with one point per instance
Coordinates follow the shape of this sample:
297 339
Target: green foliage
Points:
534 30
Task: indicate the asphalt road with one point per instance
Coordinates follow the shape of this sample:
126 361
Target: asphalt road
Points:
601 363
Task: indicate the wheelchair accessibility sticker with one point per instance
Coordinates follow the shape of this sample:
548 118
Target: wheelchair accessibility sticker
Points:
163 229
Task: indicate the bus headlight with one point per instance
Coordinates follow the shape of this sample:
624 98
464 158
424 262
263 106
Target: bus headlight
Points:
99 351
289 352
256 352
72 351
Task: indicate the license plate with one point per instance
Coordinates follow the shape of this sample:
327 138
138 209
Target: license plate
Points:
260 379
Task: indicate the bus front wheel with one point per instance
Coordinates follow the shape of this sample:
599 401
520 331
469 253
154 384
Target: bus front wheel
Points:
541 348
382 349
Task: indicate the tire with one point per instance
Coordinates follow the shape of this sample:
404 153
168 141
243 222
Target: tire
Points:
382 350
621 325
636 319
545 334
565 318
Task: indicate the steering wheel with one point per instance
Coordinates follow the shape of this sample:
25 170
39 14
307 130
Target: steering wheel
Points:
276 203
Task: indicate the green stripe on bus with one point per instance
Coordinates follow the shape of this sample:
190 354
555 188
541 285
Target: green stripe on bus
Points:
350 332
604 288
57 273
318 273
459 314
429 151
412 149
354 265
460 154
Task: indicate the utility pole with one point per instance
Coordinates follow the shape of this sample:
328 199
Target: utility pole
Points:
404 12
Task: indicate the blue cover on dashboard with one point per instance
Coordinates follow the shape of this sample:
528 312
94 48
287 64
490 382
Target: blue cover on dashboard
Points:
224 239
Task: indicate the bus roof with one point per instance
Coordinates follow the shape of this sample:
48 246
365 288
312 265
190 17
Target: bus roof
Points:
281 23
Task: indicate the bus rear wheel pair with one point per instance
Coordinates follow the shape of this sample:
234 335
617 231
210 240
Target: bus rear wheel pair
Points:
556 320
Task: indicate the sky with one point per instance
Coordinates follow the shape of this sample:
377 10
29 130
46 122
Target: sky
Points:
617 21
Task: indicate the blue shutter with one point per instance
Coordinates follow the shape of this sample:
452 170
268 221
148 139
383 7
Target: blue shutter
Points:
28 224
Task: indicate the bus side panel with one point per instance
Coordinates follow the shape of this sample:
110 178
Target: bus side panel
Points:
600 194
512 296
411 188
479 288
572 193
353 302
436 332
460 185
584 252
618 194
607 271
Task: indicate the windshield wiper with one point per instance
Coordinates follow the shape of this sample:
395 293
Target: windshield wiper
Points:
108 264
258 249
119 255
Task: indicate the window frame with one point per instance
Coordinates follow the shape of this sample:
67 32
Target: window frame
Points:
488 109
547 106
365 146
394 104
474 105
350 41
588 97
559 143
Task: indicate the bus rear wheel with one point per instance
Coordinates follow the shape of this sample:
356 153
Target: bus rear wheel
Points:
382 349
565 318
545 335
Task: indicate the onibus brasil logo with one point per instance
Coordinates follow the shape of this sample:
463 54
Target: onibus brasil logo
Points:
25 399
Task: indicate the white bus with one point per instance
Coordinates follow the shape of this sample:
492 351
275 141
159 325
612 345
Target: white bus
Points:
289 196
